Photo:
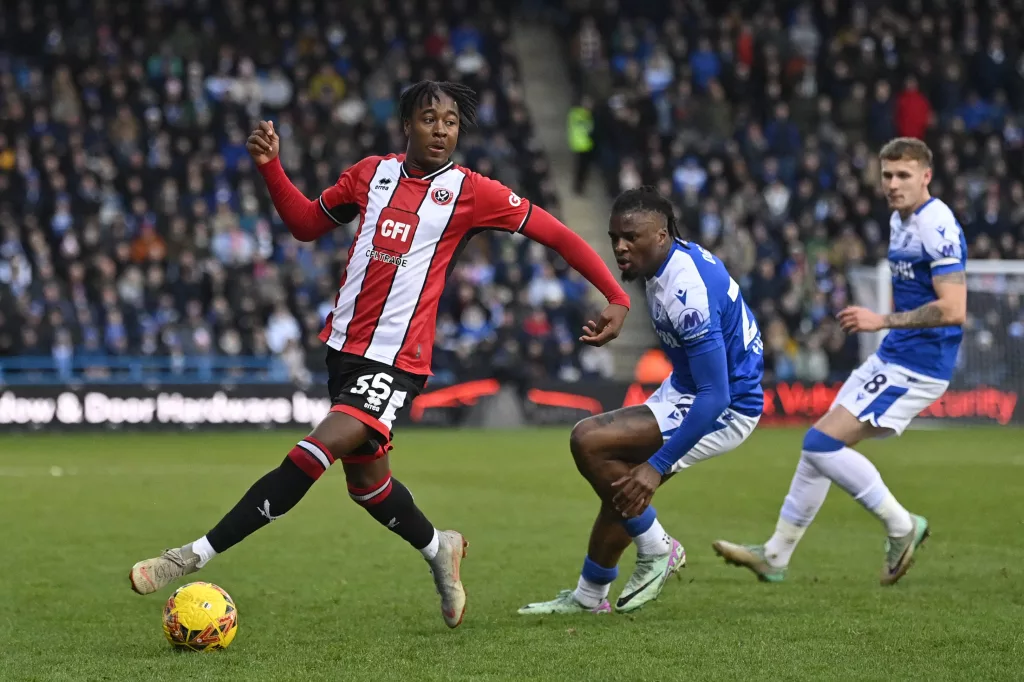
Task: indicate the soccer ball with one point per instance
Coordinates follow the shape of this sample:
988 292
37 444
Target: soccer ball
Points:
200 616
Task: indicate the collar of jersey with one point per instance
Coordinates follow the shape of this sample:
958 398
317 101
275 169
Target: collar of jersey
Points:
671 252
428 176
920 208
917 211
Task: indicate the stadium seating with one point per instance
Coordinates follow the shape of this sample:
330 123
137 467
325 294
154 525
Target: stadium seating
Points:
136 240
762 121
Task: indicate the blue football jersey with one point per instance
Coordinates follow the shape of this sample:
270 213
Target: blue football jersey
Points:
928 243
695 307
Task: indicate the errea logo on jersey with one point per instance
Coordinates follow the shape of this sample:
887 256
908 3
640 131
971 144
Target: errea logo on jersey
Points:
395 231
514 200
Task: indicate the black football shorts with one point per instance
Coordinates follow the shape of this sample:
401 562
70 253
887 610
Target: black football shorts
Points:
373 393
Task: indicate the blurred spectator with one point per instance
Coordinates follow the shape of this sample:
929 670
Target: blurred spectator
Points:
913 111
282 329
581 142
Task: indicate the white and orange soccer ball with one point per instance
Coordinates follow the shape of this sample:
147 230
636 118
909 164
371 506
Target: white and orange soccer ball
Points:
200 616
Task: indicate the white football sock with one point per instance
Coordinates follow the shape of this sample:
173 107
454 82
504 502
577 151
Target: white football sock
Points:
807 492
591 594
204 549
779 548
850 470
430 551
654 540
855 474
897 520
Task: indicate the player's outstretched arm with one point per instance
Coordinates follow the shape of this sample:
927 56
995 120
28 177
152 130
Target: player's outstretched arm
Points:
544 228
305 219
949 309
710 372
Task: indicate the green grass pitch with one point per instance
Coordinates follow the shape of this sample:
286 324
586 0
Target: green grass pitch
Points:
326 593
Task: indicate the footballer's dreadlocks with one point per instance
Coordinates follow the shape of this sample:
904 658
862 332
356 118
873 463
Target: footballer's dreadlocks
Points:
647 198
426 92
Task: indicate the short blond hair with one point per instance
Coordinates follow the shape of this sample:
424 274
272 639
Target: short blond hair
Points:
906 148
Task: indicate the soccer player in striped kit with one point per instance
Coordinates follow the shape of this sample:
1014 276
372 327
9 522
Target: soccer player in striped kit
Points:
415 212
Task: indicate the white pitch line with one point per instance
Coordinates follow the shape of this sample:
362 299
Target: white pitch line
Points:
137 471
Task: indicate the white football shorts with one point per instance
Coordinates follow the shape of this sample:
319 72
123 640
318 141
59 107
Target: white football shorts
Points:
729 430
887 395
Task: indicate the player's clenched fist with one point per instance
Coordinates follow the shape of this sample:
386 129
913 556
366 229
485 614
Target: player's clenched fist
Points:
263 143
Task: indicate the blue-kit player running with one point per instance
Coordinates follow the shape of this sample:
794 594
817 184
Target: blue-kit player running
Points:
909 371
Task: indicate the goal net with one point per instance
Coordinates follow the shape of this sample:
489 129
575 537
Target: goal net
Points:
992 353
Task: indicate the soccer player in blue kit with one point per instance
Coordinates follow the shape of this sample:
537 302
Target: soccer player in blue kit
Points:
708 406
910 370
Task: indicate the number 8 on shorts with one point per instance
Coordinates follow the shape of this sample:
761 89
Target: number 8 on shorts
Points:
887 395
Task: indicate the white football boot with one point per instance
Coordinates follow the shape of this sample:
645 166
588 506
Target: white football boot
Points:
445 569
150 575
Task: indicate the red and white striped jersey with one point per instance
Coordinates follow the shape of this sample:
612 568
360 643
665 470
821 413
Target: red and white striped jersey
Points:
410 232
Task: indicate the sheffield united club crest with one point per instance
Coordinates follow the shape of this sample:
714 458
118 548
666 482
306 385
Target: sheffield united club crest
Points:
441 196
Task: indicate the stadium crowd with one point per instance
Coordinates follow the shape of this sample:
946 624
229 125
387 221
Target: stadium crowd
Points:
762 120
133 224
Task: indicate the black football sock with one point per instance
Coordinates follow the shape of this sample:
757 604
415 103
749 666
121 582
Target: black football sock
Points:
392 505
272 496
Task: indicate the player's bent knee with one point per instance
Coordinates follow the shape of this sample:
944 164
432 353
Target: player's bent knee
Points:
366 474
583 442
844 426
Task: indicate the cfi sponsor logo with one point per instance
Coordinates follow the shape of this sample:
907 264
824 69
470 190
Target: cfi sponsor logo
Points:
395 231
